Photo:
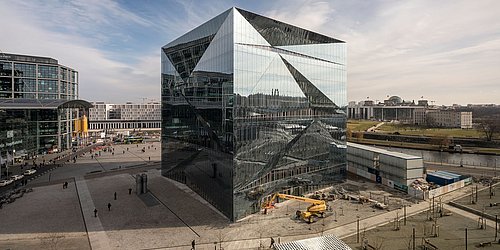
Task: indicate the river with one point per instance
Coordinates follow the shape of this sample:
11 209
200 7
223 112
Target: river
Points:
451 158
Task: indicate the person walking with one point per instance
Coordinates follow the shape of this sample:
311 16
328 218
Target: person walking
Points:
193 245
109 206
95 212
115 196
272 242
130 191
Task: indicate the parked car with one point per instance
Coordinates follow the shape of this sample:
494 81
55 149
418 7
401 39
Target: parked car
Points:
5 182
16 177
29 171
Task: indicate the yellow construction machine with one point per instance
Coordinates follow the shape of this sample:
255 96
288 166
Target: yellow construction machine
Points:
316 209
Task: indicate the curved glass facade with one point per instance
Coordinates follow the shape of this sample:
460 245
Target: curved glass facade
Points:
253 106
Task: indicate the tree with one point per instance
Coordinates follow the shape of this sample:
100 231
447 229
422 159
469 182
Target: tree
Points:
442 141
430 121
490 126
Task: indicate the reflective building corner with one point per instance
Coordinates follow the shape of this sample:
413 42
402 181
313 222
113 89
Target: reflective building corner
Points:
253 106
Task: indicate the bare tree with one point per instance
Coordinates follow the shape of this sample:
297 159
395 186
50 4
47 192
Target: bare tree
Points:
441 140
430 122
490 126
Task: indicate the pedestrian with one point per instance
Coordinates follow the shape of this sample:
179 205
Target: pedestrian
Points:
150 158
123 151
109 206
193 245
115 196
66 184
95 212
272 242
130 191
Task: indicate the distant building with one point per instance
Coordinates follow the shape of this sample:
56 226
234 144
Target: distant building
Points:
39 106
449 119
392 109
105 117
395 109
393 169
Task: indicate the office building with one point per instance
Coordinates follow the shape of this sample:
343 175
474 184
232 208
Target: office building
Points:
393 169
38 105
106 117
449 119
253 106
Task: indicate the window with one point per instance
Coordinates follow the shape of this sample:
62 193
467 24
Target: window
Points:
24 70
48 86
5 69
47 71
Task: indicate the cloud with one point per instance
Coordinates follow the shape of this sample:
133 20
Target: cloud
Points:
101 75
312 15
447 52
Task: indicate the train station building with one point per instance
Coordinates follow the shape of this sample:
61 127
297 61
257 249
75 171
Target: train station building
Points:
39 107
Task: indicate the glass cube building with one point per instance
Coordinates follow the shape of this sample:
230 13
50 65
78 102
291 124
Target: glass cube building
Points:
252 106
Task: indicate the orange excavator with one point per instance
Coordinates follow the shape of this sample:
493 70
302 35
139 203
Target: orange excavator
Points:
316 209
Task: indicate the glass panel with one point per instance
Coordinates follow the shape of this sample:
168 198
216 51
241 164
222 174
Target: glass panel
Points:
289 127
24 85
5 68
24 70
63 74
5 84
48 86
47 71
278 33
25 95
47 96
197 116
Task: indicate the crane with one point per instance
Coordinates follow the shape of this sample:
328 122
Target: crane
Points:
316 209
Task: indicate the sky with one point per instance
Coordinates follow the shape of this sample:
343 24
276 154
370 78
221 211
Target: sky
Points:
444 51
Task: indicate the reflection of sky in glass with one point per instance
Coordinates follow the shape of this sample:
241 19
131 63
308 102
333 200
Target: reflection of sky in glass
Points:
262 109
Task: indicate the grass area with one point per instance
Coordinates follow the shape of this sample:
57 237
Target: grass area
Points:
360 125
413 130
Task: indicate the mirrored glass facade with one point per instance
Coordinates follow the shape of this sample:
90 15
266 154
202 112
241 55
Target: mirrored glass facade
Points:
253 106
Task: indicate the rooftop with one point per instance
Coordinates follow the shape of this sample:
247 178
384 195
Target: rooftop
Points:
383 151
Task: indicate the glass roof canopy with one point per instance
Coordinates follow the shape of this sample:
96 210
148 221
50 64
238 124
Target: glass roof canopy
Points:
19 103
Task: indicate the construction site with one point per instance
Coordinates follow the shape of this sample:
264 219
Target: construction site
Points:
362 213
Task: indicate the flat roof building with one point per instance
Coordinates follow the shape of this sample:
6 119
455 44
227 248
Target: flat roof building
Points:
107 117
251 106
394 169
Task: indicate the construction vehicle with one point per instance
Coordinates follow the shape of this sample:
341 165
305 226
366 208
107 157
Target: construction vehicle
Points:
316 209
